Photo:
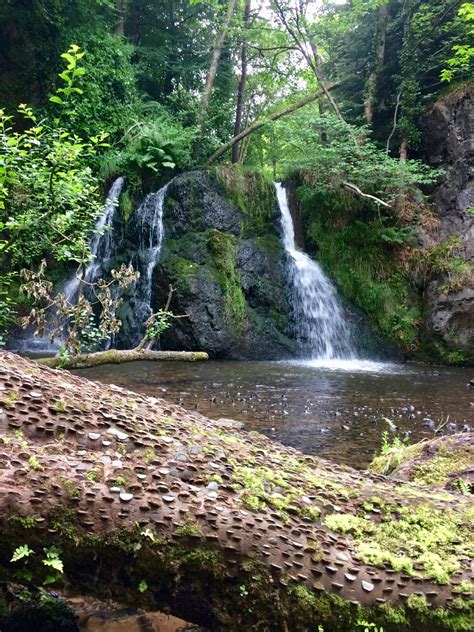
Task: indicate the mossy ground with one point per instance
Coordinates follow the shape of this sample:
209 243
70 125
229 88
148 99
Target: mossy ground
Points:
435 463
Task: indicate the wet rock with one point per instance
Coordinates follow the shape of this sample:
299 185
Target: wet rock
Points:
449 316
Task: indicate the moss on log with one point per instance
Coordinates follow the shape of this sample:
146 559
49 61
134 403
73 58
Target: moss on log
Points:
119 356
446 462
162 508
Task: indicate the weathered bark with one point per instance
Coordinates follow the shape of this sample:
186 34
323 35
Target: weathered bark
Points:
157 506
211 75
119 356
355 189
242 84
253 127
372 81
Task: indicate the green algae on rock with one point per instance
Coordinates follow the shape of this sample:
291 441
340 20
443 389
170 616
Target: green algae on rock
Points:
227 528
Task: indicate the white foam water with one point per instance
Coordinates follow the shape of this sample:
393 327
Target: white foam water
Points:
323 331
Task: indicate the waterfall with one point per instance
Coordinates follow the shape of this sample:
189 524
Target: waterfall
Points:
101 246
149 227
321 325
101 243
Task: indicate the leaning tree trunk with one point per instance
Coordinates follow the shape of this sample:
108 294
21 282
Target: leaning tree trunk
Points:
242 83
256 125
162 508
211 75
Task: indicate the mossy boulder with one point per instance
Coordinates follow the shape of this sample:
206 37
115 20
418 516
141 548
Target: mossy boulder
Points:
446 462
223 254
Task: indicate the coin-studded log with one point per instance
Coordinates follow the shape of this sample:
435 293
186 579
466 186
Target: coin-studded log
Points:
162 508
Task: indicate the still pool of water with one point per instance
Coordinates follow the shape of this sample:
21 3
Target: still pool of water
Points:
334 409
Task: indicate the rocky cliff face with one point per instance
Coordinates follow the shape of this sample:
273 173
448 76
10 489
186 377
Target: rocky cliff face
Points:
449 145
226 261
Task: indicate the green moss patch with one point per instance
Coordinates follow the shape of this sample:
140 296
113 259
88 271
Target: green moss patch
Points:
222 247
252 193
421 540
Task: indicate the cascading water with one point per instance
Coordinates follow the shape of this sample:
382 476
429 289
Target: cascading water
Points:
101 244
149 227
322 329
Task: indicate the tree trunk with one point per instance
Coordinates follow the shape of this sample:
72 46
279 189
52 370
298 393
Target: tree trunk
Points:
273 117
119 356
121 10
211 75
372 81
242 83
401 194
304 42
158 507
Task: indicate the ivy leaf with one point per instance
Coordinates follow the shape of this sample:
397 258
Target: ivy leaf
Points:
143 586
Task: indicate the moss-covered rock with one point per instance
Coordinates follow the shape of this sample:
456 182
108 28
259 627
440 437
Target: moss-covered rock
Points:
223 254
446 462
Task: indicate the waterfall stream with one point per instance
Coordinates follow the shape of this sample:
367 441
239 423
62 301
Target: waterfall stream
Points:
101 246
322 329
149 226
101 243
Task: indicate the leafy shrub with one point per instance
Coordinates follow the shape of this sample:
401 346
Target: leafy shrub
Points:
110 99
156 146
320 149
49 197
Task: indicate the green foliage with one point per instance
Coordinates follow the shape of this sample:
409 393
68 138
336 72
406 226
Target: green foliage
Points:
321 149
110 97
69 76
362 257
252 193
48 194
21 553
153 146
161 323
6 305
393 450
442 259
463 54
52 559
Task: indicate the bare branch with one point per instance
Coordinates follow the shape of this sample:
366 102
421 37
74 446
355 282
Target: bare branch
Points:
355 189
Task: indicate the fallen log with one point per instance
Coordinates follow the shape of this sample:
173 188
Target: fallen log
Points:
162 508
119 356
